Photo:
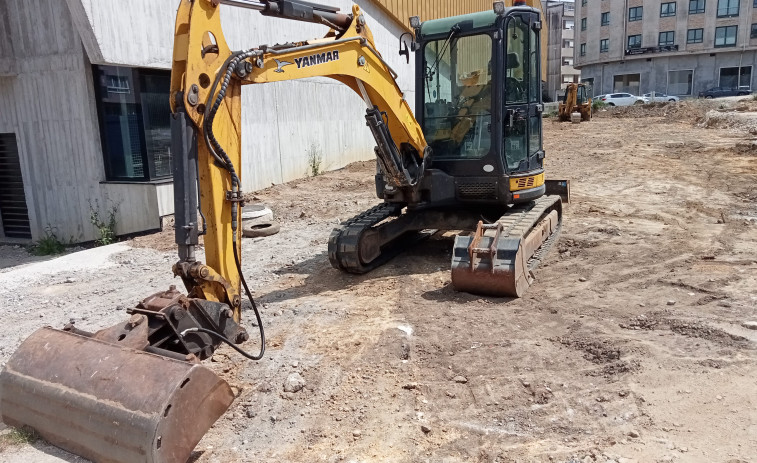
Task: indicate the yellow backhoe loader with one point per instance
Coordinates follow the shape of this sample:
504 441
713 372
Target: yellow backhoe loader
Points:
576 100
471 158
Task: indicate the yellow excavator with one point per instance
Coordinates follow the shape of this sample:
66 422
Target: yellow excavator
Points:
470 158
576 100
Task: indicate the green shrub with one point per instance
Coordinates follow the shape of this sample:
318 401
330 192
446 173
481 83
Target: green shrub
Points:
597 105
105 228
315 158
48 245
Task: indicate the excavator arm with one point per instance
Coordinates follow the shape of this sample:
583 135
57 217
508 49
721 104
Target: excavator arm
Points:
206 85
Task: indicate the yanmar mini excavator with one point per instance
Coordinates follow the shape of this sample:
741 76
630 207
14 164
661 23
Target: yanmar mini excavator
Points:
471 158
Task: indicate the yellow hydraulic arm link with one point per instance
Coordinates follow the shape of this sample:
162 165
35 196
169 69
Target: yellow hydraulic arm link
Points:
202 62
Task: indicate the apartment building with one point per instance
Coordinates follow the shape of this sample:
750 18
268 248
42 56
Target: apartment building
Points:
679 47
561 21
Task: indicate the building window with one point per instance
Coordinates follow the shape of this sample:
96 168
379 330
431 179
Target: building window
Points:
694 35
728 8
583 24
606 18
635 13
736 77
634 41
680 82
668 9
583 2
696 6
135 122
753 34
568 24
726 36
567 43
567 61
582 49
667 38
604 45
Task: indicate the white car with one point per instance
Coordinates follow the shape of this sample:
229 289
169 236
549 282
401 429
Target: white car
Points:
620 99
659 98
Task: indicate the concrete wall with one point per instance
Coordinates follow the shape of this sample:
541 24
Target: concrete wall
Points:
47 96
282 122
47 101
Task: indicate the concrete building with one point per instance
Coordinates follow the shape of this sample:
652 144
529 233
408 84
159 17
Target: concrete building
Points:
84 124
677 47
560 20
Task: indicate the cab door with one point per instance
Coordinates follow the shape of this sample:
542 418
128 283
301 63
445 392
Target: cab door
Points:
522 94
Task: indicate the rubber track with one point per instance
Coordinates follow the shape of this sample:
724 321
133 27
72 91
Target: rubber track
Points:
344 242
519 223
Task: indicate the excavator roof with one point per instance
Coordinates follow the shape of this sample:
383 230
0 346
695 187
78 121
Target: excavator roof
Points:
480 20
466 22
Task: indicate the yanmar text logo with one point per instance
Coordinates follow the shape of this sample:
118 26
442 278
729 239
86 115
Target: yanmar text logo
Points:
318 58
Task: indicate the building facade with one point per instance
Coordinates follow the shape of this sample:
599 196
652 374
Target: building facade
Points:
678 47
84 124
560 20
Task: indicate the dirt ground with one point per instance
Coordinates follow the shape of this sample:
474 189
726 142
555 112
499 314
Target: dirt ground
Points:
629 348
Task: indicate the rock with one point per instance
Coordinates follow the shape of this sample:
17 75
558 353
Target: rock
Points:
451 394
671 302
750 325
250 413
425 429
582 279
70 280
409 386
460 379
357 433
264 387
294 383
633 434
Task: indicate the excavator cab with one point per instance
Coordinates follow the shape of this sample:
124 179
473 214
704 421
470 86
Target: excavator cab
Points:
478 100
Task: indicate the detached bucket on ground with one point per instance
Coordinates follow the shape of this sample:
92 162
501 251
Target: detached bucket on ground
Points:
108 403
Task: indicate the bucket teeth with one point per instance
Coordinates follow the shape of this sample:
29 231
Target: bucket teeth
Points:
109 403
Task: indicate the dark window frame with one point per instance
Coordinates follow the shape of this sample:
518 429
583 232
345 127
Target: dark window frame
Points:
666 11
635 13
725 29
134 80
604 45
605 18
635 45
668 41
582 50
583 24
728 11
583 2
698 38
753 32
697 6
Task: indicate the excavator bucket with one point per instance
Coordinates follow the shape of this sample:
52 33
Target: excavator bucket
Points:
108 403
